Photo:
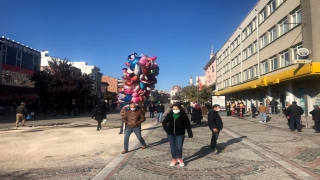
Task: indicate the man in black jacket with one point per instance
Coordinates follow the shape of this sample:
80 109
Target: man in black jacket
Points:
159 110
215 125
294 113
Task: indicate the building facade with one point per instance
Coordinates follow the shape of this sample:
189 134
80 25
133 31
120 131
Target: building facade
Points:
210 72
18 63
96 76
112 83
273 54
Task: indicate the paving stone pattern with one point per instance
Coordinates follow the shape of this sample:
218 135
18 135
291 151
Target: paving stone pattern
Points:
300 148
234 161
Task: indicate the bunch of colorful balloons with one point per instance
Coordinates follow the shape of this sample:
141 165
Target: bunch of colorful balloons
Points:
139 78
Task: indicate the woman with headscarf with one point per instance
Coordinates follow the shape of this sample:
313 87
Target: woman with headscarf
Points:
175 124
316 117
196 115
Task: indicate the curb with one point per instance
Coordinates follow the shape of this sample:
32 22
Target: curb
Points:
108 169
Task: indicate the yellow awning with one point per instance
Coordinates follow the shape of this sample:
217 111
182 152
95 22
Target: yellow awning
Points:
292 73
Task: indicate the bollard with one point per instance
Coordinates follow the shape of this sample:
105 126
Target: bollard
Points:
240 114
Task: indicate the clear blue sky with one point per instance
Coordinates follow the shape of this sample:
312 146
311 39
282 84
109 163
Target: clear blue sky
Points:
105 32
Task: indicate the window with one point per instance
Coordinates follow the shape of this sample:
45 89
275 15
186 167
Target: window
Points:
232 80
231 46
250 74
264 67
232 63
263 41
244 34
273 34
245 75
244 54
256 70
272 6
250 51
296 18
212 69
284 59
4 54
295 53
249 29
239 40
274 63
283 27
19 58
254 24
34 63
262 15
254 47
94 76
280 2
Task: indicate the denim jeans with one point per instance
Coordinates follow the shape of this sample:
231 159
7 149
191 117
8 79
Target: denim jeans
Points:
263 117
121 128
128 131
176 143
159 116
151 114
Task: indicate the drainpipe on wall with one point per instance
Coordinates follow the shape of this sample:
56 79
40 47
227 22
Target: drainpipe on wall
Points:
258 44
241 54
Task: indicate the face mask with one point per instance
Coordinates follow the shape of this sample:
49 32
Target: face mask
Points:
176 111
132 109
218 110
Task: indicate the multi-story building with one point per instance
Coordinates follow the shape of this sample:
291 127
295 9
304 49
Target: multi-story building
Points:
273 54
18 63
210 72
96 76
112 83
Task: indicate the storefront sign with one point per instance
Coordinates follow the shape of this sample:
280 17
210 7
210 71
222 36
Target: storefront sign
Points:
303 52
221 100
18 95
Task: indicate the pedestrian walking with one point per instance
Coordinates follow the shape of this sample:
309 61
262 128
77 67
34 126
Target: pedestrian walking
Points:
274 106
316 117
294 114
21 113
99 115
133 119
215 125
122 112
196 115
151 110
253 110
189 109
175 124
285 112
262 113
159 111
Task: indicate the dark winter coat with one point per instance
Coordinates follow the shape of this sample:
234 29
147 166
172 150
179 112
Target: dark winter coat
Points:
294 111
178 126
196 115
214 120
151 108
315 114
99 115
160 108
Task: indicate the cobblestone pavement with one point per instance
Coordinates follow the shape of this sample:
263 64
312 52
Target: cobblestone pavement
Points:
281 155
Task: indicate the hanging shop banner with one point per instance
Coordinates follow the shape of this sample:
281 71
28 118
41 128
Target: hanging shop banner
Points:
221 100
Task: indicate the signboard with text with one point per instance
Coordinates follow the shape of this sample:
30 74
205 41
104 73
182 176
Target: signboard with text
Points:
221 100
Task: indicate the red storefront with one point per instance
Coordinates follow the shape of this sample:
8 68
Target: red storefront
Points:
16 85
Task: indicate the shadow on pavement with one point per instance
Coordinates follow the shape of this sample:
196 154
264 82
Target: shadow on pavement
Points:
162 141
206 150
16 176
222 146
156 127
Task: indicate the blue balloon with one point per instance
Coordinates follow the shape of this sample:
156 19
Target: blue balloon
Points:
134 62
128 98
141 85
